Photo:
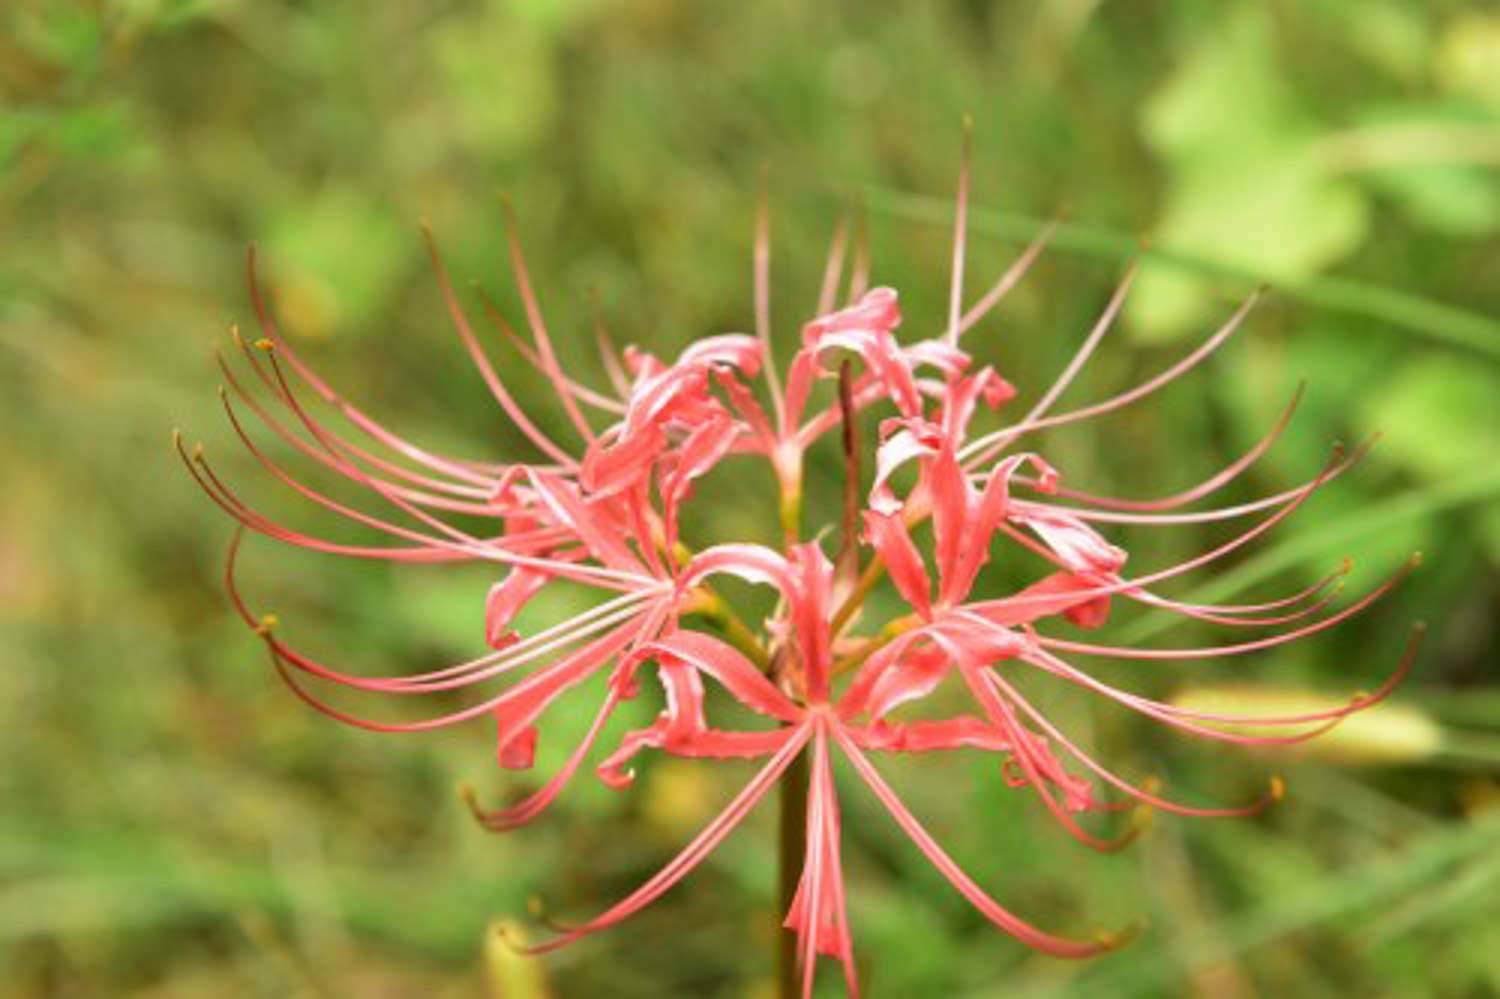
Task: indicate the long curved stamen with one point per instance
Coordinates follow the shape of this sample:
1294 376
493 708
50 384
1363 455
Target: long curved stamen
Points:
1102 326
581 392
1184 721
608 615
981 449
1180 568
955 875
548 682
1001 715
471 550
197 466
1272 795
486 370
1239 615
474 671
1208 486
347 450
694 853
550 367
1323 624
476 548
1335 577
529 807
1211 516
1216 615
960 238
340 464
833 269
371 427
1007 280
763 304
464 538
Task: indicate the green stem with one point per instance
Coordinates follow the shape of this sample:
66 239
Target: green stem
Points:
721 616
873 574
792 849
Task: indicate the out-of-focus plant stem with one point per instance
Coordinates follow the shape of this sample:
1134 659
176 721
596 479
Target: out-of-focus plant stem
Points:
791 849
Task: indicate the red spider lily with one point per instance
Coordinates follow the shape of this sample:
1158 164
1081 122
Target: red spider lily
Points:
606 513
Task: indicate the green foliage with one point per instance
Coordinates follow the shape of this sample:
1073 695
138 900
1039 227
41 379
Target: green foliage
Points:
175 824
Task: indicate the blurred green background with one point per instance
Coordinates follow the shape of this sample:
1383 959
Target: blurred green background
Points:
174 824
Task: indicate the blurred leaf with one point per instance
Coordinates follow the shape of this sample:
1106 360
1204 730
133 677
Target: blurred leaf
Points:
1437 160
510 973
1437 320
1468 54
1384 734
1459 201
1394 35
67 35
1322 901
170 15
1438 416
335 257
497 52
1243 188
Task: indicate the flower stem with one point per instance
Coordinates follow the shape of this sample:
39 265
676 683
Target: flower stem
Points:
873 574
718 613
793 847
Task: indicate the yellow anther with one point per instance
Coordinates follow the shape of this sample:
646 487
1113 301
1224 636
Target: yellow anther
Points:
268 623
265 344
1141 818
1278 788
1115 939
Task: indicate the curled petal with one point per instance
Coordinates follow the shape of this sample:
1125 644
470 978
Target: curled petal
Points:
888 535
982 516
878 310
728 350
1079 546
730 668
534 804
925 736
585 519
698 454
752 563
902 673
505 600
901 447
962 395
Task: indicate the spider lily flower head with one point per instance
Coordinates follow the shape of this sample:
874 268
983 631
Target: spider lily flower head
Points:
604 512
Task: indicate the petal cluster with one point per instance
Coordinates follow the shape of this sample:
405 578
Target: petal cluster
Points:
602 509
